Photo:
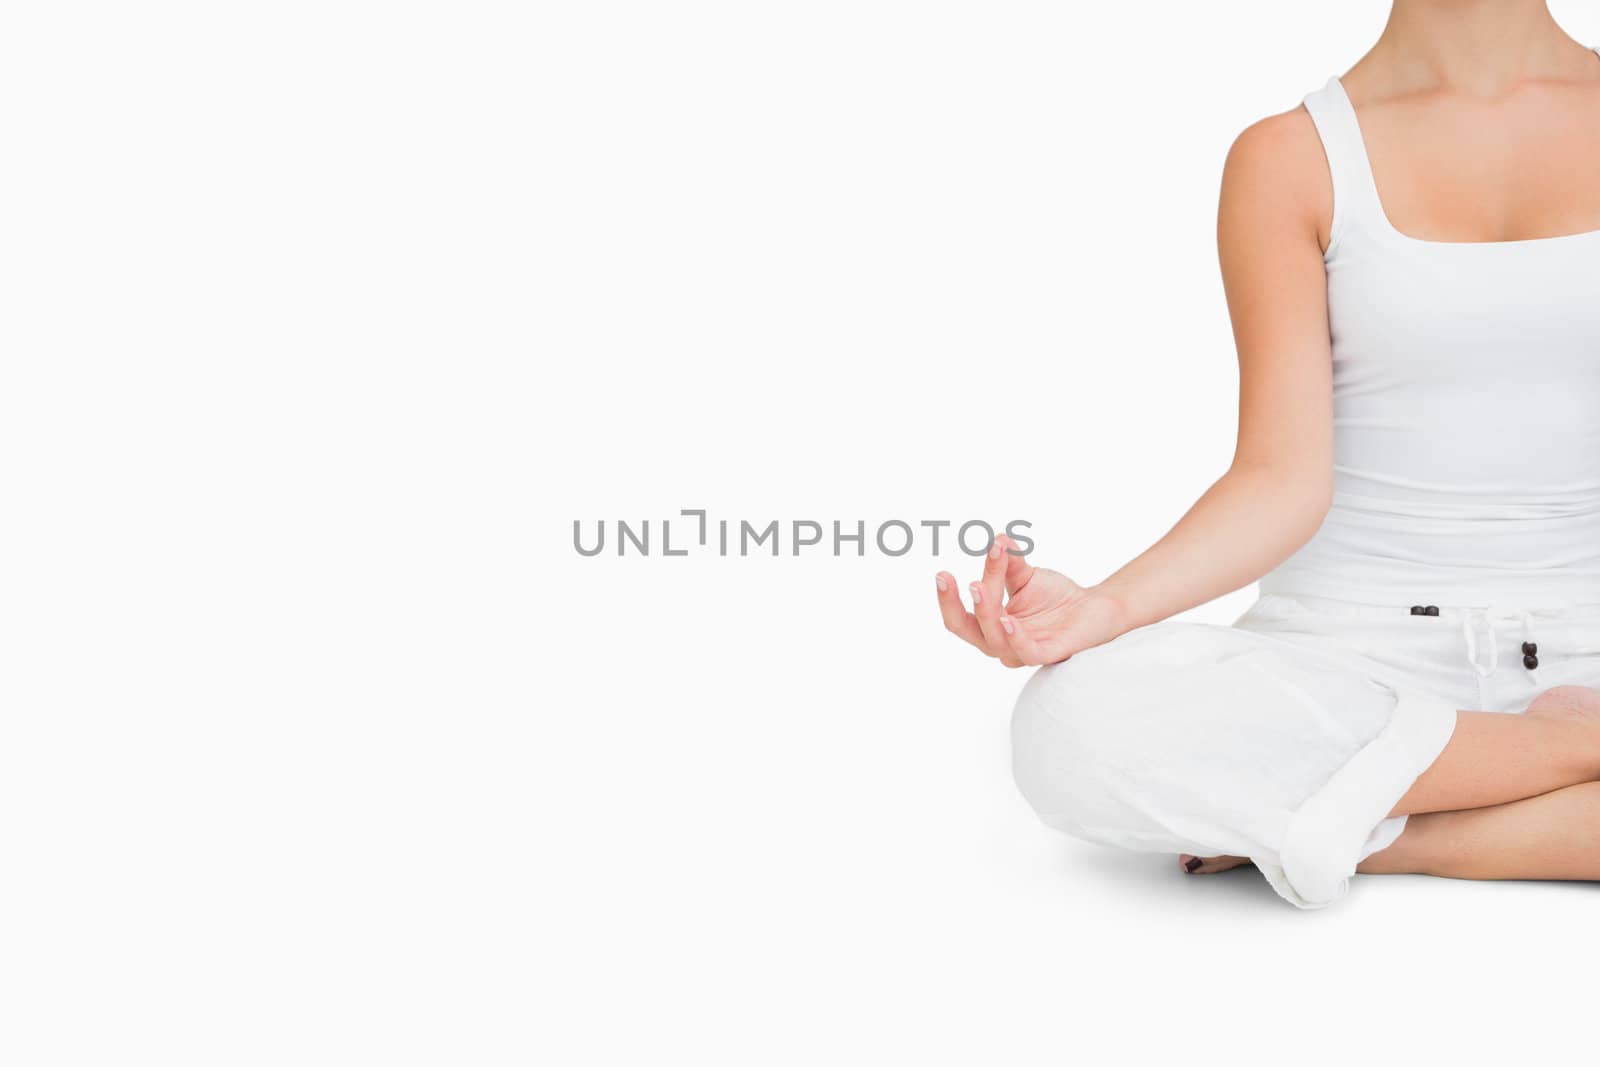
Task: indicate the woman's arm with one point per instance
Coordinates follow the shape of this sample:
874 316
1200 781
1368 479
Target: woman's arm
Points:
1275 206
1275 211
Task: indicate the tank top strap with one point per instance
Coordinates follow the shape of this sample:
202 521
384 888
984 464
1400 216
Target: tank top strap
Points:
1355 193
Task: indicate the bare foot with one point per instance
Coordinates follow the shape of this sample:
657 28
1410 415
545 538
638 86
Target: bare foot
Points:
1211 864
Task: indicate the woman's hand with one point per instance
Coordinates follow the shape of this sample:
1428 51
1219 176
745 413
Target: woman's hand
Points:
1047 617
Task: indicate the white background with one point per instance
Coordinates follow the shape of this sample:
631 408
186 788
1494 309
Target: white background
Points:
323 323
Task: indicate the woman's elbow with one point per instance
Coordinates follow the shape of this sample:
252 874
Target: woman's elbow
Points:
1298 495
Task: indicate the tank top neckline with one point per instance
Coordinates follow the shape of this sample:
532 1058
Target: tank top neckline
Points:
1361 164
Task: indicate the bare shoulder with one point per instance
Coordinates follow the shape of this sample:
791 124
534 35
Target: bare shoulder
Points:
1277 175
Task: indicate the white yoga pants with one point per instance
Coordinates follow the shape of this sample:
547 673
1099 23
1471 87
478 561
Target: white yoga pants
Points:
1287 737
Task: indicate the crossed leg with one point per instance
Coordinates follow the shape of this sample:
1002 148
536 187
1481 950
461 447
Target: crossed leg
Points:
1511 796
1554 837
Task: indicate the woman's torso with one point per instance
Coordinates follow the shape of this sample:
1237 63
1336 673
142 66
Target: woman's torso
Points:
1466 382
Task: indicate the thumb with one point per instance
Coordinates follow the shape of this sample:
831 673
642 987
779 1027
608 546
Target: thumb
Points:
1034 645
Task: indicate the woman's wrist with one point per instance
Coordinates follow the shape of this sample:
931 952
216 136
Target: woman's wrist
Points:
1116 604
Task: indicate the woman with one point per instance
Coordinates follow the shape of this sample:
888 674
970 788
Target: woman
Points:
1412 265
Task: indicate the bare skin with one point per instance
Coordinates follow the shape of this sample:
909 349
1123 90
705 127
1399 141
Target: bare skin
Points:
1479 117
1551 837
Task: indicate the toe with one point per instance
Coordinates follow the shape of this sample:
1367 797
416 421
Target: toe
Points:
1211 864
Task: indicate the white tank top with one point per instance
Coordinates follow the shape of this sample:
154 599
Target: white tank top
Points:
1466 408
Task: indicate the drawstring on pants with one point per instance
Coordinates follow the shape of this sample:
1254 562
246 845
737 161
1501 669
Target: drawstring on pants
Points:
1530 648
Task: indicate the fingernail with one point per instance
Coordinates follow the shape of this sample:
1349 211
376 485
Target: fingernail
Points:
994 549
1005 624
1193 865
938 580
977 593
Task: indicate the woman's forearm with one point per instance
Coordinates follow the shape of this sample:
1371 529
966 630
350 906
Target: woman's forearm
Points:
1248 522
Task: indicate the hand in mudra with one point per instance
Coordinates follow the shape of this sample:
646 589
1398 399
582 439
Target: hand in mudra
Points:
1026 615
